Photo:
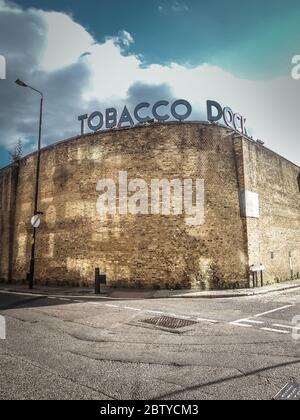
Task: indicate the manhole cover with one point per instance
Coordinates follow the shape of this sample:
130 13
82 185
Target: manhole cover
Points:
169 322
289 392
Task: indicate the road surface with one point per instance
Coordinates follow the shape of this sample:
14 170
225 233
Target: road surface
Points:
238 348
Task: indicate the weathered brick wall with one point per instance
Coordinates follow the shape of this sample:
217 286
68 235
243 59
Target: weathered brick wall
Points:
151 251
8 196
276 234
4 222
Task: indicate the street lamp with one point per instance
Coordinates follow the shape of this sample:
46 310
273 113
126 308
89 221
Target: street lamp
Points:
37 181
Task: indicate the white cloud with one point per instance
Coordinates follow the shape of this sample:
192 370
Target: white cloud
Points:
110 76
272 107
178 7
126 38
66 40
174 7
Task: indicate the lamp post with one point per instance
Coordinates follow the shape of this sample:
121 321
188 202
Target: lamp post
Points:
37 182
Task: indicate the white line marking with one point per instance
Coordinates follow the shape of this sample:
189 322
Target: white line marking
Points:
273 310
180 316
155 312
251 321
111 306
241 325
193 318
22 294
286 326
132 309
240 321
212 321
275 331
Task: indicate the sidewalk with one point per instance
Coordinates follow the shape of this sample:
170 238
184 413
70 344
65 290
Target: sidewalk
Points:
88 293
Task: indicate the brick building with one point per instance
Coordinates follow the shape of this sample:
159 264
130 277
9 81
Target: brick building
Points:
252 211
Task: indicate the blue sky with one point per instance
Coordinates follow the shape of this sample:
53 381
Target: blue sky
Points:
250 38
236 52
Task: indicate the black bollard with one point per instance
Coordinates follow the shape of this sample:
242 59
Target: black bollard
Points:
103 279
97 281
29 280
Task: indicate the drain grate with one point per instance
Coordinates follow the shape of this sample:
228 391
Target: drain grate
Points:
169 322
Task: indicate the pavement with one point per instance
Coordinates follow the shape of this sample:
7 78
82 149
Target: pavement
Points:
146 293
237 348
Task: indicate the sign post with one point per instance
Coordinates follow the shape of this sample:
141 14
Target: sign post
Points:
255 269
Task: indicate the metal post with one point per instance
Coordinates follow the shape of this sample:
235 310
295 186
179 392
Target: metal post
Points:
37 182
291 265
97 282
37 179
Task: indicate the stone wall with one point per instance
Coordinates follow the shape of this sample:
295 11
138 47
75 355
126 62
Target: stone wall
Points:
8 190
274 238
152 250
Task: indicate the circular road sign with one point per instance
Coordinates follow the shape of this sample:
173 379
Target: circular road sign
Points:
36 221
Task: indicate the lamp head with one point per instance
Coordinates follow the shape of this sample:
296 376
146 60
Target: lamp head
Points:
21 83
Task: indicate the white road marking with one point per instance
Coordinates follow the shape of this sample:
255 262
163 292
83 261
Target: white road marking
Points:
65 300
246 323
7 292
273 310
275 330
132 309
238 321
243 323
155 312
180 316
286 326
247 320
129 308
238 324
211 321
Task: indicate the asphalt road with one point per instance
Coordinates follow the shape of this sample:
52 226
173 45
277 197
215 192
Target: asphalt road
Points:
238 348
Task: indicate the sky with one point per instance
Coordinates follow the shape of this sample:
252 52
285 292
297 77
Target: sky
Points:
90 55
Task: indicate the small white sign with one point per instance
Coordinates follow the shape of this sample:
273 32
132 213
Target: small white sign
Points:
250 204
2 328
36 221
255 268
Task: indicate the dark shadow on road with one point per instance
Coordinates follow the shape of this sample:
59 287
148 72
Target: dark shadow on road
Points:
11 301
170 395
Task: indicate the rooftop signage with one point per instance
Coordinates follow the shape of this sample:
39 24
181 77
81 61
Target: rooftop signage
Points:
161 111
